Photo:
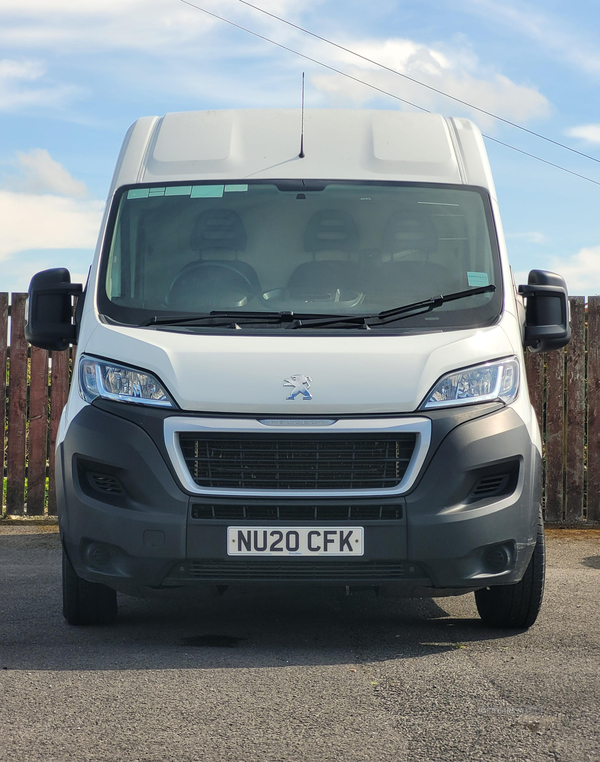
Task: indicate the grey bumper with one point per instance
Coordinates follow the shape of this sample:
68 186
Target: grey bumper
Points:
127 522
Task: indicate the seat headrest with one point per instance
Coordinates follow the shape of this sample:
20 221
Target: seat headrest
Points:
331 230
219 229
409 230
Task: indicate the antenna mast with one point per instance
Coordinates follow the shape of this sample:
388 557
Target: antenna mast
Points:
301 154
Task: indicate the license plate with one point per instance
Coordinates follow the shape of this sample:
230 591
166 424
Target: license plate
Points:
295 541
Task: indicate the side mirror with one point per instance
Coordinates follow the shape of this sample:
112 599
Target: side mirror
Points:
50 323
547 313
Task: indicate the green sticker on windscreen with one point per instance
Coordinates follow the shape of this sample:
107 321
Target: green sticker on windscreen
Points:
207 191
179 190
138 193
478 279
236 188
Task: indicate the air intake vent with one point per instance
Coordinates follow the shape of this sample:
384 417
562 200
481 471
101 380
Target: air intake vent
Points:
106 483
299 570
490 486
299 462
297 512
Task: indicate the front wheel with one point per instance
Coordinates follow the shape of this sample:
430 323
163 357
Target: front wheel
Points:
517 606
86 602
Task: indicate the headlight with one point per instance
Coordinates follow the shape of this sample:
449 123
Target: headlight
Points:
100 378
482 383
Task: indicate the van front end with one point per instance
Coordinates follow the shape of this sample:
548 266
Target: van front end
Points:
300 369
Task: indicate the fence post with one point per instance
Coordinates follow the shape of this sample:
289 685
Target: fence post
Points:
3 359
555 434
17 408
575 412
38 431
593 379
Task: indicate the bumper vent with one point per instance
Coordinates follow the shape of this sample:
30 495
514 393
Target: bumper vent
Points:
299 462
493 486
297 512
106 483
298 570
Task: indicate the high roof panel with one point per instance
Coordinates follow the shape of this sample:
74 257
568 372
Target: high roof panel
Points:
338 144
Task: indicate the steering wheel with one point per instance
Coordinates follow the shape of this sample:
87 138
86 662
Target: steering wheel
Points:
221 281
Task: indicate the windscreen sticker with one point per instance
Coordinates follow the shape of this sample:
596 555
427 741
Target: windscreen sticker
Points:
179 190
138 193
478 279
154 192
236 188
207 191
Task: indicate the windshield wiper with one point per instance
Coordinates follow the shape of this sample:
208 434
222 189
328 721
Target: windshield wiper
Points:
396 313
312 320
223 317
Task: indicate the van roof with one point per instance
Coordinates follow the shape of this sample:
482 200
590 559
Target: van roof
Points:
338 145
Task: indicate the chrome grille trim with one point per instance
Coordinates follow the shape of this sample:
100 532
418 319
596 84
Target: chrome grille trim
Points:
420 427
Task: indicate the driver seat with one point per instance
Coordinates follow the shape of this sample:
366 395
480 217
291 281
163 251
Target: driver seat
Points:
221 281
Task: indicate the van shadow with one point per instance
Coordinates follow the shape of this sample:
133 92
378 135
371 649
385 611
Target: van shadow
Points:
248 628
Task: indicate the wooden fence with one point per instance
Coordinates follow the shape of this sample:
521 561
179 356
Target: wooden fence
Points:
564 388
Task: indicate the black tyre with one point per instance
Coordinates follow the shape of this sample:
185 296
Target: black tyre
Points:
86 602
517 606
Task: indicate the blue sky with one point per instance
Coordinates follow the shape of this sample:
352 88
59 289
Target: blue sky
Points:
75 75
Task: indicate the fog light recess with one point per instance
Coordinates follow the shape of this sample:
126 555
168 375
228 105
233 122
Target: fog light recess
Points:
497 558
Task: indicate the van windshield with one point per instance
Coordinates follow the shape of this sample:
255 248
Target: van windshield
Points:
302 247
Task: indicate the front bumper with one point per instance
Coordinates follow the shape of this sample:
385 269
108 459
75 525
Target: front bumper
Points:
127 521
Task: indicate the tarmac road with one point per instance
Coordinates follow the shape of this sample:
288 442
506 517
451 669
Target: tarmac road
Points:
309 675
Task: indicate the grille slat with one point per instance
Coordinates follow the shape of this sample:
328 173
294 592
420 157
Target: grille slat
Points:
302 462
224 511
298 569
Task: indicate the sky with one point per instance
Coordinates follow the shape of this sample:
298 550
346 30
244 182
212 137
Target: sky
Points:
75 75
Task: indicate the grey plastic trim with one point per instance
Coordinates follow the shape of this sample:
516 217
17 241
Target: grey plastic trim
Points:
419 426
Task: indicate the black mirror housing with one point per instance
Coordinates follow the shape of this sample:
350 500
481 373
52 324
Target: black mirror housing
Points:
547 315
50 323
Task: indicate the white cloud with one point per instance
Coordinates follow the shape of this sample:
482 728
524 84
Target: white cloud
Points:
40 173
581 271
455 71
532 236
32 221
588 132
44 207
18 91
151 25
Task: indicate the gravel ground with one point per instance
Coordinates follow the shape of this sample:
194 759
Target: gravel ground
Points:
314 675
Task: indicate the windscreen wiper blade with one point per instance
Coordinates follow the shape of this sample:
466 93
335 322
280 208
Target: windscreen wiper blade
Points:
396 313
224 317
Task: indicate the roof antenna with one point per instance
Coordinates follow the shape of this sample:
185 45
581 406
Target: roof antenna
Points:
301 154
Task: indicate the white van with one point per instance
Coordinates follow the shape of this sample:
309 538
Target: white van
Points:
301 367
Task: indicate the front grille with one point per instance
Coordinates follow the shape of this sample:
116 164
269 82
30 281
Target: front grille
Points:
297 512
299 462
274 570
